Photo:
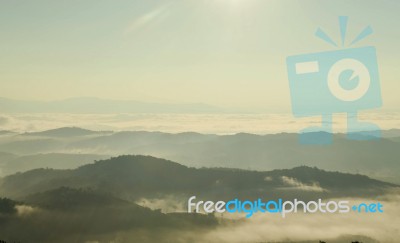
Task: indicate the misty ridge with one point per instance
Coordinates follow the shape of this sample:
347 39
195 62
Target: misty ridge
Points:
69 147
110 201
135 177
79 185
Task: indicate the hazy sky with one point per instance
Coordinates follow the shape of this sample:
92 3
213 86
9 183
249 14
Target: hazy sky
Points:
228 53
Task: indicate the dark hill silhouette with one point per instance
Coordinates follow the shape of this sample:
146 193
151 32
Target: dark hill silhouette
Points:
274 151
13 163
78 215
65 132
7 206
67 198
6 132
133 177
376 159
340 239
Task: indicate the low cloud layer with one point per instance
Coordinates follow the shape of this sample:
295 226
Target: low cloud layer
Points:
203 123
383 227
293 183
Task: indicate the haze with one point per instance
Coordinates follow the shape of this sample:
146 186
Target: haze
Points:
227 53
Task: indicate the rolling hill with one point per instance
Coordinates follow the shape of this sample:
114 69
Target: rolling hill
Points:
377 159
11 163
76 215
135 177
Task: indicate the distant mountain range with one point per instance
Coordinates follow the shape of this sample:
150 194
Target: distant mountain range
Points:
378 159
67 132
96 105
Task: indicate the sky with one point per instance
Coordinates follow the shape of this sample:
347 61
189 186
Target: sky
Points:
227 53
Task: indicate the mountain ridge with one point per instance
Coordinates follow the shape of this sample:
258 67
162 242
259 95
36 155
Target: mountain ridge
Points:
136 176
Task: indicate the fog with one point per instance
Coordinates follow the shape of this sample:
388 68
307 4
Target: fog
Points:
174 123
295 184
371 227
383 227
